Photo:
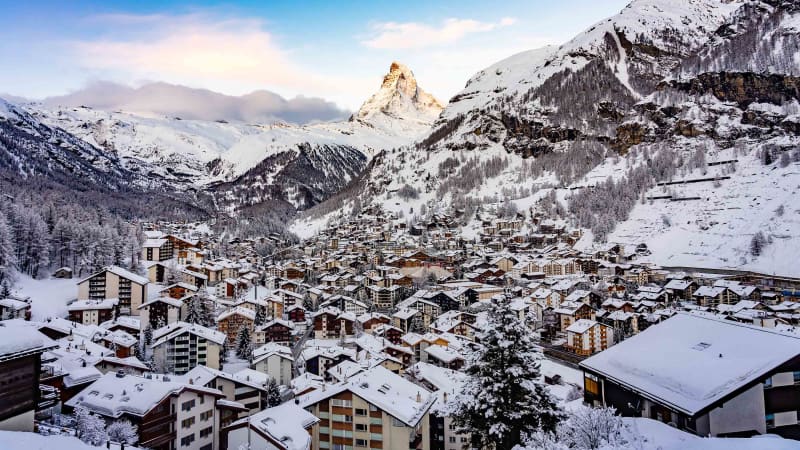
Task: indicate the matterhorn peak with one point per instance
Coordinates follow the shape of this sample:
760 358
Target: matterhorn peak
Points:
399 98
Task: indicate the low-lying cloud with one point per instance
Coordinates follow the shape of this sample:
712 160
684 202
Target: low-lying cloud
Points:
200 104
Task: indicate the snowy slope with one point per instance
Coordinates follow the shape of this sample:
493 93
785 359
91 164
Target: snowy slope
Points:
245 164
678 117
632 50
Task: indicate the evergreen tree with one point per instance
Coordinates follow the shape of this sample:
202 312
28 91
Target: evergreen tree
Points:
148 335
193 312
504 399
261 315
7 257
244 344
273 393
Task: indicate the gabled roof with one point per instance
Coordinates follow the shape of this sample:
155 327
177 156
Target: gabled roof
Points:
112 395
120 272
285 425
395 395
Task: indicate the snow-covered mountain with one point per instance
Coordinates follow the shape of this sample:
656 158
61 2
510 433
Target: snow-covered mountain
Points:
246 164
700 94
399 103
35 157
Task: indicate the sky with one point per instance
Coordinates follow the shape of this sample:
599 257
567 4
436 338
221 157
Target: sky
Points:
337 51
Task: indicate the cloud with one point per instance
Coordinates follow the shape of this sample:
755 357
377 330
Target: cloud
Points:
201 104
393 35
229 54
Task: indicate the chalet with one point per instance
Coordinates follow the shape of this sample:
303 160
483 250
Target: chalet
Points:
748 384
230 322
274 360
162 311
157 250
332 323
712 296
391 333
370 321
115 282
93 312
296 314
277 330
63 272
283 427
318 360
681 289
15 307
245 390
180 290
569 313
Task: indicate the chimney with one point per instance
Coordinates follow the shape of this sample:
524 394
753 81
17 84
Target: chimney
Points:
419 397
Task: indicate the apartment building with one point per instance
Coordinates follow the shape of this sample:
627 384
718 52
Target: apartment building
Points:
115 282
586 337
169 415
180 346
373 409
93 312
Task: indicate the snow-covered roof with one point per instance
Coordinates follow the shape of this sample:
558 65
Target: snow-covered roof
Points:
397 396
19 341
114 395
173 330
286 424
442 353
86 305
120 272
662 362
581 326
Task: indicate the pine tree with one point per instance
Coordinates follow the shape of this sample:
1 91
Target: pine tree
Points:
757 244
193 313
91 428
273 393
261 315
123 432
148 335
504 399
7 257
244 345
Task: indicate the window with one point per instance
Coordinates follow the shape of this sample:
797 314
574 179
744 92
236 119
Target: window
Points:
342 403
770 418
186 406
768 382
590 384
452 439
361 442
361 427
361 412
796 376
187 440
206 415
186 423
205 432
348 419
